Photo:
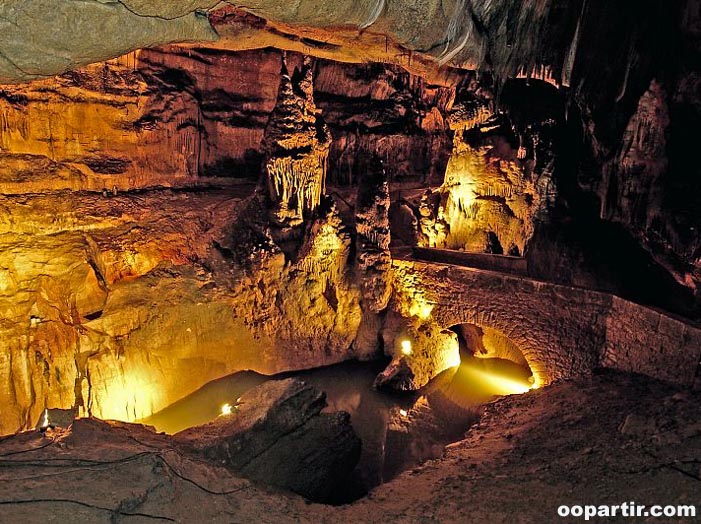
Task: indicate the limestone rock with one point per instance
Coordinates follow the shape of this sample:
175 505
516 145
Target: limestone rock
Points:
631 185
373 237
103 127
109 304
277 435
296 144
469 115
488 477
420 349
45 37
489 202
453 31
173 117
53 418
397 376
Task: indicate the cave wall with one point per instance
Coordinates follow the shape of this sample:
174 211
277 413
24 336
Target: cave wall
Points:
637 112
113 297
175 116
110 302
121 305
71 287
95 129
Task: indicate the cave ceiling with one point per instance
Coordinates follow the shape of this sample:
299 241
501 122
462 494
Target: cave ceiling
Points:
40 38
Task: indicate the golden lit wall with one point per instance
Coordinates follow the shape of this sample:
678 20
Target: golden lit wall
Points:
91 129
483 193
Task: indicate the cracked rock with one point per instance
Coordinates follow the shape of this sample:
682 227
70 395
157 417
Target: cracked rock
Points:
278 436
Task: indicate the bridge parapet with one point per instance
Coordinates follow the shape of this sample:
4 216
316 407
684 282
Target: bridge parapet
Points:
562 331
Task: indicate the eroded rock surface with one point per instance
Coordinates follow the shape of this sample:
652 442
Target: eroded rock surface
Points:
373 237
497 185
140 297
296 144
182 117
277 435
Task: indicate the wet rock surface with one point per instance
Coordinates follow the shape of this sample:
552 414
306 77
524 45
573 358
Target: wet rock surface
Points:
277 435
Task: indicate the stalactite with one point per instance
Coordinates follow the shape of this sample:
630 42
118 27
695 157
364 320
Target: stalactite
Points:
568 67
297 143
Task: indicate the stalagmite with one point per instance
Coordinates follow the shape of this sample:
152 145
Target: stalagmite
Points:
372 227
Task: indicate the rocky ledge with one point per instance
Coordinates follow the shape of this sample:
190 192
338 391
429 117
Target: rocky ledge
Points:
277 435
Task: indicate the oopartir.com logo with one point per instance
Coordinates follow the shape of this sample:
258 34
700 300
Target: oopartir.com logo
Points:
627 509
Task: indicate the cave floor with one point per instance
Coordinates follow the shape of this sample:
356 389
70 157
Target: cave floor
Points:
605 439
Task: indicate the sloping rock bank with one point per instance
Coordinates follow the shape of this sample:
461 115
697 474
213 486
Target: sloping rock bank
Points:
277 435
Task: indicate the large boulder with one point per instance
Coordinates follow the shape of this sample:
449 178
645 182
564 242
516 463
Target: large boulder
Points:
277 435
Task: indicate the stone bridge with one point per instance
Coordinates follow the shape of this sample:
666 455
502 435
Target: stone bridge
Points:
562 331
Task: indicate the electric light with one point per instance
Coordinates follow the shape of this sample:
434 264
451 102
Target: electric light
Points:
500 385
508 386
226 409
406 347
538 380
403 412
535 383
45 422
420 308
453 359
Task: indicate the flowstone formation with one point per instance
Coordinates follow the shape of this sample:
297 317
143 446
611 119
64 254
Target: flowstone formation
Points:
497 185
296 144
373 237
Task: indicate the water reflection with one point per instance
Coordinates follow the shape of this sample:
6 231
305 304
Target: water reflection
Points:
397 431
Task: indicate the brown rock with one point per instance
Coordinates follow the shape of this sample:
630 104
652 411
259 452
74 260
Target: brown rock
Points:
296 143
373 237
277 435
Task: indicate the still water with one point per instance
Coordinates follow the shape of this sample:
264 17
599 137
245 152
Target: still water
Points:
398 432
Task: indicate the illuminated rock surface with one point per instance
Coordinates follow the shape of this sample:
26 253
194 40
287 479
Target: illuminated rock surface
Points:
296 144
112 303
100 290
373 237
560 133
561 331
485 205
174 117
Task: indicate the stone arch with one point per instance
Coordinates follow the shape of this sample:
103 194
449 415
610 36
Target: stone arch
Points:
485 342
534 345
561 331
